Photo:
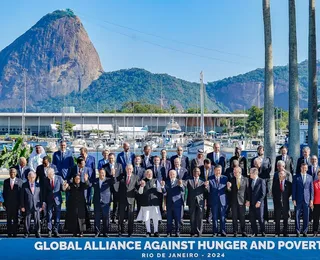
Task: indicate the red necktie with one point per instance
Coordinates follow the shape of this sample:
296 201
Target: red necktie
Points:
12 184
281 186
128 180
52 184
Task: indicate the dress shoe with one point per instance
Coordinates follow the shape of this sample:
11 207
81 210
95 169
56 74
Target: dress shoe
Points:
129 235
168 235
38 235
276 235
235 234
223 234
26 235
254 235
113 221
81 234
177 234
97 235
244 234
56 234
263 234
49 234
14 235
199 235
74 235
298 234
214 235
192 235
208 221
105 235
285 235
119 234
315 234
305 235
148 234
156 234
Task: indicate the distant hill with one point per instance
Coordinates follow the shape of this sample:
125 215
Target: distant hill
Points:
53 58
113 89
242 91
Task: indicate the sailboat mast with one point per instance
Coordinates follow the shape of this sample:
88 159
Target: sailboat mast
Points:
202 104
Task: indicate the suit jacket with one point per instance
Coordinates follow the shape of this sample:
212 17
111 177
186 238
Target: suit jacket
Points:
146 163
53 196
41 175
118 172
182 173
258 192
174 194
315 173
265 169
63 163
91 164
222 160
217 191
122 160
11 197
288 163
101 163
159 174
240 196
184 161
194 164
102 195
74 171
281 198
210 173
22 175
288 176
302 192
195 193
129 191
29 201
300 161
139 171
243 163
166 164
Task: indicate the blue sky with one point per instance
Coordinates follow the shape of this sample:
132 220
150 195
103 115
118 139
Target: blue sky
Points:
221 37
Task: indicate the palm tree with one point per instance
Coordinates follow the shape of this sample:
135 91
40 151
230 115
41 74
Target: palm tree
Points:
269 123
294 114
312 69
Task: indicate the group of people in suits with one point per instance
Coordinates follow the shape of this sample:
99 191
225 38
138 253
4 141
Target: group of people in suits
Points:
159 185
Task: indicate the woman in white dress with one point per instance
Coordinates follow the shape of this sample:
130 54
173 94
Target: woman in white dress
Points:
149 191
36 156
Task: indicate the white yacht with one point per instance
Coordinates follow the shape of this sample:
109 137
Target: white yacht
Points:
205 144
172 134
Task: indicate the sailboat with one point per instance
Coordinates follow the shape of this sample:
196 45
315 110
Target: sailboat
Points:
201 142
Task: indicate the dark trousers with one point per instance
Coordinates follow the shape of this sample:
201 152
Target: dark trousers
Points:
219 211
12 221
316 217
174 213
302 208
278 212
238 212
208 214
36 217
123 208
256 214
115 208
57 211
196 219
104 210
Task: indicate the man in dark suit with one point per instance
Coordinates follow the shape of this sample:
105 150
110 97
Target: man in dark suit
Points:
184 160
281 192
125 157
314 167
182 173
102 198
207 173
240 199
11 201
217 158
281 167
63 160
128 188
243 162
91 164
302 197
165 162
286 159
146 158
51 190
217 188
42 171
31 203
114 168
137 168
195 201
104 160
263 164
257 194
304 159
158 171
173 189
22 169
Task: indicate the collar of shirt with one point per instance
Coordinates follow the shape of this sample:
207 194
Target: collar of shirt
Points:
12 180
172 180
